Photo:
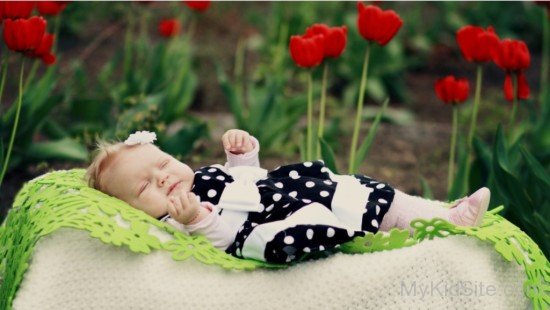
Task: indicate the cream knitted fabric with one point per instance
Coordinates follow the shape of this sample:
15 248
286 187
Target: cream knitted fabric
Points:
70 270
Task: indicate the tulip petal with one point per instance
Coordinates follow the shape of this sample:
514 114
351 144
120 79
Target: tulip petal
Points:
508 88
466 38
391 23
523 87
512 55
452 90
307 52
368 21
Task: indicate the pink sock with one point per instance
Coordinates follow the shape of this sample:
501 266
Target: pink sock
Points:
406 208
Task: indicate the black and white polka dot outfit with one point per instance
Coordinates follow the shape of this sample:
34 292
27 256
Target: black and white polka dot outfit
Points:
304 211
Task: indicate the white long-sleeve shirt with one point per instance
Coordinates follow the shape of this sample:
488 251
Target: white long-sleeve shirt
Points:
212 226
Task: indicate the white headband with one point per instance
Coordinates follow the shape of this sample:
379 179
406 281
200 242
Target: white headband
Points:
141 137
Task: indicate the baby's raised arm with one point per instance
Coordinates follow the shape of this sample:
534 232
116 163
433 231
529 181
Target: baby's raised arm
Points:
241 148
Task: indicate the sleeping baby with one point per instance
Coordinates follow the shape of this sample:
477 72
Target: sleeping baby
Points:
276 216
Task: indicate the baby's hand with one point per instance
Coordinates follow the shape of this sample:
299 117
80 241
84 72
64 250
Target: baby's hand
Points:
237 141
185 208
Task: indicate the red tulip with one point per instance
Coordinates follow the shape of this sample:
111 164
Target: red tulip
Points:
44 50
200 6
15 9
477 44
512 55
377 25
522 87
24 35
169 28
51 7
452 90
335 38
29 37
307 52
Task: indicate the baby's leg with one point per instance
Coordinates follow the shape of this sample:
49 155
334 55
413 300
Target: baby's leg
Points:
405 208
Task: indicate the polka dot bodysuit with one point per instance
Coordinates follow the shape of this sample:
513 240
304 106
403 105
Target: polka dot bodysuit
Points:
304 211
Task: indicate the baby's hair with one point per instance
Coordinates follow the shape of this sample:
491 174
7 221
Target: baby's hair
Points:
103 156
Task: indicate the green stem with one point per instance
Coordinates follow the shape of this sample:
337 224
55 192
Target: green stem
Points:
473 123
128 45
15 122
4 72
57 26
238 74
359 110
545 62
32 73
36 63
453 150
514 103
309 114
322 110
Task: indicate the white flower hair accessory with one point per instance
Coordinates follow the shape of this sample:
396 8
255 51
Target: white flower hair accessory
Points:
141 137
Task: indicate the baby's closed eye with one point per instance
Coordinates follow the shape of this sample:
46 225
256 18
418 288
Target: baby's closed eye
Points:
142 188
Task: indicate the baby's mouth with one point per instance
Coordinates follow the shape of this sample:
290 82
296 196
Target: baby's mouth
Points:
173 186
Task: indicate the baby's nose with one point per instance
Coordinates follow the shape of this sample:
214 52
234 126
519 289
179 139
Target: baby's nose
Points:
162 178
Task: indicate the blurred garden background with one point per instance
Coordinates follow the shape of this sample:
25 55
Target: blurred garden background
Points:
191 70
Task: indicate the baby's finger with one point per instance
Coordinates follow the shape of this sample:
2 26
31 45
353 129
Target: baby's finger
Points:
184 200
239 139
172 210
232 139
225 141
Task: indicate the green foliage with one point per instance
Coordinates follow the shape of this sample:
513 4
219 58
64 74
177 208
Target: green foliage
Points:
152 92
426 190
458 189
260 106
77 16
38 102
367 143
523 184
328 156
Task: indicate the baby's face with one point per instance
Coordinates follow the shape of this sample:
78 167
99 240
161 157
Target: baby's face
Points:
145 177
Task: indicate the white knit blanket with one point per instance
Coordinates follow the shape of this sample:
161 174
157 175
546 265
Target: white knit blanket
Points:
70 270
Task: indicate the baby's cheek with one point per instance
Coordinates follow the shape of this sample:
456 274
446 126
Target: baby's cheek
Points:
154 205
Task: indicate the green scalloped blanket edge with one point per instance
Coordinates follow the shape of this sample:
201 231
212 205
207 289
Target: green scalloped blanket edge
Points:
62 199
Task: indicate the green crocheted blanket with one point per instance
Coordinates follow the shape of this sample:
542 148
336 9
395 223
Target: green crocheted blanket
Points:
63 199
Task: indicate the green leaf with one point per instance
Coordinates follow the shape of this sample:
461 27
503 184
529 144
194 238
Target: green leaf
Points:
375 88
458 189
303 147
483 152
53 130
36 104
328 156
182 142
426 190
367 143
235 103
481 166
266 106
506 182
394 116
65 149
536 169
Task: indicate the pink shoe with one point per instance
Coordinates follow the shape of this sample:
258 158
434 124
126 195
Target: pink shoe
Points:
469 211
